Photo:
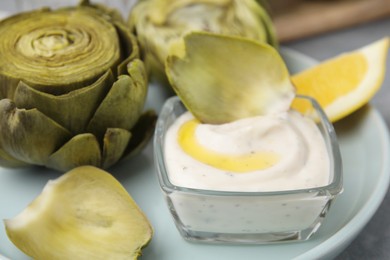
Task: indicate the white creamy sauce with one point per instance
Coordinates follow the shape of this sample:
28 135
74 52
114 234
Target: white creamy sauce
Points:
303 158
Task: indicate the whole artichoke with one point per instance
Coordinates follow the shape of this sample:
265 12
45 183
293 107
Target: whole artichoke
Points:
159 23
72 89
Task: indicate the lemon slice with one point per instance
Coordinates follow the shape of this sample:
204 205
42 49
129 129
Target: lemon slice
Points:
346 82
84 214
223 78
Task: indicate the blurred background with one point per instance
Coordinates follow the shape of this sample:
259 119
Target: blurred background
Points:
293 19
24 5
296 19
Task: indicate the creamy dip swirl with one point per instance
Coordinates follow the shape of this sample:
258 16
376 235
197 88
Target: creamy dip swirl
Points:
276 152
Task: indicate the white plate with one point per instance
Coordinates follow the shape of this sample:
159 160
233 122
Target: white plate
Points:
364 143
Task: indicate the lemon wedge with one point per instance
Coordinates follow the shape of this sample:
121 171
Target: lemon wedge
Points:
346 82
84 214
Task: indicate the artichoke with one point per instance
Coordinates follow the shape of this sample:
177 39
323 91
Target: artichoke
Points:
72 89
159 23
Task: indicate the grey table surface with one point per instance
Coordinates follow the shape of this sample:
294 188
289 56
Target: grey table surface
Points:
374 240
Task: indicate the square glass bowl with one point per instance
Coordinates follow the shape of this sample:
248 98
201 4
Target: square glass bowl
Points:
247 217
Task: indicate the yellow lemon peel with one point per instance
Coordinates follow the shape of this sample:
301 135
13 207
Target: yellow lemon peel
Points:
344 83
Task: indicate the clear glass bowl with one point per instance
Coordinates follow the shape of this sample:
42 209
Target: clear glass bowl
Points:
247 217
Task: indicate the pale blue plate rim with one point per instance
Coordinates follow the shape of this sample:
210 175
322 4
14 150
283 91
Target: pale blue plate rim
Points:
344 236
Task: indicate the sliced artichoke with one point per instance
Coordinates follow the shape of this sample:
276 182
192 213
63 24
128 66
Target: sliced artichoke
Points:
76 69
218 87
84 214
159 23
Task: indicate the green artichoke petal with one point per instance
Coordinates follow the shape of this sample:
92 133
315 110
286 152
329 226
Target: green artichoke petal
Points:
114 145
72 110
136 70
123 104
129 47
8 85
218 87
29 135
141 133
7 160
82 149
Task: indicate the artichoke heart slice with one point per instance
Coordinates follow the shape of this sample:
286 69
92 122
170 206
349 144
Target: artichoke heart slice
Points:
29 135
224 78
82 149
84 214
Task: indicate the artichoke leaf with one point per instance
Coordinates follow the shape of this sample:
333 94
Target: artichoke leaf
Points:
122 106
29 135
8 161
82 149
114 144
129 47
72 110
137 72
218 87
141 133
8 85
